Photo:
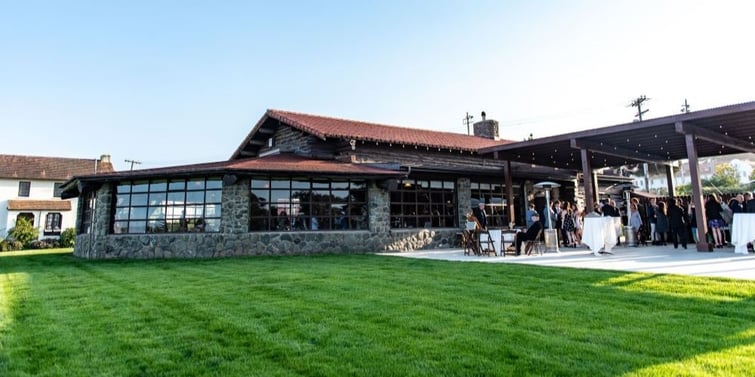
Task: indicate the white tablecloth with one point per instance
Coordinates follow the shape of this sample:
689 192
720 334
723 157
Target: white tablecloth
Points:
742 231
599 233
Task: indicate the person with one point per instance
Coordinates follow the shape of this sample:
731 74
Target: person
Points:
479 213
528 215
750 200
661 226
610 210
652 210
677 224
713 211
692 216
635 222
569 226
532 232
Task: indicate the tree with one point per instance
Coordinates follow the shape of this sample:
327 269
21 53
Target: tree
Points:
725 176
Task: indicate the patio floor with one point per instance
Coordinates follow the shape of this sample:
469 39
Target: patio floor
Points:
652 259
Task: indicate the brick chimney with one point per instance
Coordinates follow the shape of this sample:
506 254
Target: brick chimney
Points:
487 128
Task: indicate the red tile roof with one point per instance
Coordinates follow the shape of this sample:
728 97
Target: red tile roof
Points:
39 205
48 168
285 163
327 127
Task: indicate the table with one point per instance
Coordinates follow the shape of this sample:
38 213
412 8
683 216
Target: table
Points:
742 231
491 238
598 233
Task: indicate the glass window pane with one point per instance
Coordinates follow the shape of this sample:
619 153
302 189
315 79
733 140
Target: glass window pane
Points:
262 183
177 185
280 184
212 225
158 186
212 210
177 197
193 197
122 199
156 212
124 188
156 198
194 211
156 226
139 199
340 185
358 185
214 196
138 213
121 213
120 227
214 183
320 184
195 184
300 185
137 227
141 186
278 196
260 195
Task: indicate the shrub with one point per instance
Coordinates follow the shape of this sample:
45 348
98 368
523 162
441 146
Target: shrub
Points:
23 232
8 245
68 237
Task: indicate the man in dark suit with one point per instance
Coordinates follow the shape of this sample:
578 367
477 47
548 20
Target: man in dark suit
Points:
530 235
750 203
479 213
677 224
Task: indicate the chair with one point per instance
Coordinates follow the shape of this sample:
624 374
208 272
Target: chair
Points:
469 242
486 246
536 244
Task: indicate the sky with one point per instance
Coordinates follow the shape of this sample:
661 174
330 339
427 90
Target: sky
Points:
178 82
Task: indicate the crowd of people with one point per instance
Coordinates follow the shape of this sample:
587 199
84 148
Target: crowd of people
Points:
659 221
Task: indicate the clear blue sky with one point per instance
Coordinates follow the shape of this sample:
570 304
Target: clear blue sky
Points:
174 82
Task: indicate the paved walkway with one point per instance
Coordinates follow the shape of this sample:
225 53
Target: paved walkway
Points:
653 259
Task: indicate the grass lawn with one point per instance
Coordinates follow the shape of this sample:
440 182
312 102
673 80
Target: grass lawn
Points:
363 315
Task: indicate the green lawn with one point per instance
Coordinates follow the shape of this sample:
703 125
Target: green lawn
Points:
363 315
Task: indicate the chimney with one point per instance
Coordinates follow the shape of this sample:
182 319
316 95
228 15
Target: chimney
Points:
487 128
105 159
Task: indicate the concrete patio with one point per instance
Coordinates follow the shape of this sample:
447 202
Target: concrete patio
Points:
652 259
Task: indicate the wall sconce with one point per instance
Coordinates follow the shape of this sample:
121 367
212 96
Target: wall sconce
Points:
353 144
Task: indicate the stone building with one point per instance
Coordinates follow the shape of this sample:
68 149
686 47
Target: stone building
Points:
301 184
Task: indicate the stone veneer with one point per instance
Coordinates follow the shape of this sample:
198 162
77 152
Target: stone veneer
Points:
234 239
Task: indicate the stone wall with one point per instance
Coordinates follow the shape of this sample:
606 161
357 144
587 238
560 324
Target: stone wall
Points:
234 239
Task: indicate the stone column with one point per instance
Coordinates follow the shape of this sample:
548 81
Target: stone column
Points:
101 221
379 203
235 215
463 199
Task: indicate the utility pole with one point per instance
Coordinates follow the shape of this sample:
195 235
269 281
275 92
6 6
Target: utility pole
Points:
685 107
466 121
133 162
638 104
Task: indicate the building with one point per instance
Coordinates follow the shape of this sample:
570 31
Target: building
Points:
30 187
743 165
301 183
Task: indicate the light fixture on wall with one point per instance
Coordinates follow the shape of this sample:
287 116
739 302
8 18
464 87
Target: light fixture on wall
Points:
353 144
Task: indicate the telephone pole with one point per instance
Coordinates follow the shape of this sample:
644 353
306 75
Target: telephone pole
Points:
638 104
133 162
685 107
466 120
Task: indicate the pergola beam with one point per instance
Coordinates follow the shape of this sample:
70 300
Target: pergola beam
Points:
714 137
612 150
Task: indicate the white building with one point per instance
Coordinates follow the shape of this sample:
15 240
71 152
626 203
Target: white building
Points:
30 188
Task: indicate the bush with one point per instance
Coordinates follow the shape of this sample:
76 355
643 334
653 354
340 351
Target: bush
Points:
68 237
23 232
7 245
47 243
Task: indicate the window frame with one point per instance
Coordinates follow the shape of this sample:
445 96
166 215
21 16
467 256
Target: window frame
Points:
24 189
424 203
52 219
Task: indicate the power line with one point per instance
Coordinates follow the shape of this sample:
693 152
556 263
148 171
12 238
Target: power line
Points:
466 120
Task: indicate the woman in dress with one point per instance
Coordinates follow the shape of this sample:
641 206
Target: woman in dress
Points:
661 224
713 211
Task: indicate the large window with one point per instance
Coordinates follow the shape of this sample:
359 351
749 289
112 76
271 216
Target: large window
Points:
87 214
423 204
24 187
56 190
52 224
492 194
168 206
283 204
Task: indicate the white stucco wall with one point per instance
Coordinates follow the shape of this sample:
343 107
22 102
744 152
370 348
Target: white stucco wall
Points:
39 190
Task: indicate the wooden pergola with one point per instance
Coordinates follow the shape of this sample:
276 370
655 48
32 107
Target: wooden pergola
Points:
705 133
